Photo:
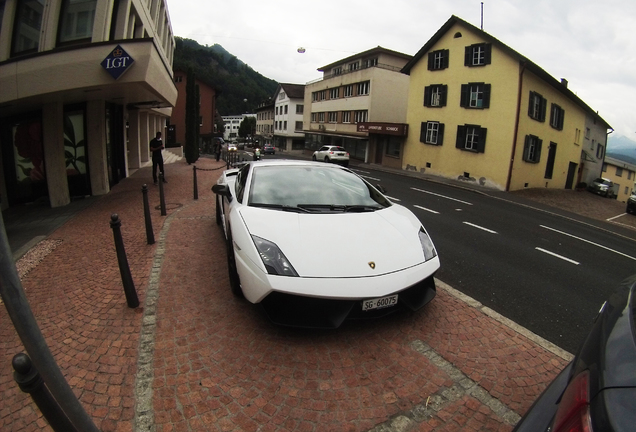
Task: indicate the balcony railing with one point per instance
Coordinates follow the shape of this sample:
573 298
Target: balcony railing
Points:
348 71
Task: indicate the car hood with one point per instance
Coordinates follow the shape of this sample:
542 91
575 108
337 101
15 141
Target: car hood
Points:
341 244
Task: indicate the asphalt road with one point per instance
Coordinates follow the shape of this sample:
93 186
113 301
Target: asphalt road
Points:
547 273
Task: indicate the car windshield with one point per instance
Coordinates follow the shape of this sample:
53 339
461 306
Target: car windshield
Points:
312 189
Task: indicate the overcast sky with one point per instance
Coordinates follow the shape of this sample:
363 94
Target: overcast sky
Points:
591 43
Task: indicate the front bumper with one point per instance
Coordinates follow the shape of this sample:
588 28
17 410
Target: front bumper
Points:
312 312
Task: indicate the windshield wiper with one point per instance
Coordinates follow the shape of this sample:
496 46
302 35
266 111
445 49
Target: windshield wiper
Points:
341 207
282 207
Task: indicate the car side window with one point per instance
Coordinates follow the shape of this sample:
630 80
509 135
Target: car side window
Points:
241 180
323 148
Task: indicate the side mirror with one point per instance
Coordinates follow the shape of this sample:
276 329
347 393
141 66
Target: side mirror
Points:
221 189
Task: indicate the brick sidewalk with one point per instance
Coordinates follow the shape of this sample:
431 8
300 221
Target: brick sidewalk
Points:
193 357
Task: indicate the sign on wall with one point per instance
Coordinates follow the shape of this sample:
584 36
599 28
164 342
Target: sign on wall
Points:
117 62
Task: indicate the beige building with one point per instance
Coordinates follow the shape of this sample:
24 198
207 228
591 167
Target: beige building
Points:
623 175
84 86
265 123
480 111
360 104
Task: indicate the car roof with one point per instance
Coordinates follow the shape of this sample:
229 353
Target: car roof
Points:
292 162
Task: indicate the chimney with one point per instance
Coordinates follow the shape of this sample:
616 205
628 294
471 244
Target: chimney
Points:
564 82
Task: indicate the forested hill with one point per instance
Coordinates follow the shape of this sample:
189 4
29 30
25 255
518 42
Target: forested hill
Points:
222 70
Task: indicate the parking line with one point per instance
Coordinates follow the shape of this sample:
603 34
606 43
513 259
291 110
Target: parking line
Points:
370 178
588 241
425 209
441 196
557 256
481 228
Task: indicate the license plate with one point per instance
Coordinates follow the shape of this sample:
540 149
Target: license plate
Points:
380 303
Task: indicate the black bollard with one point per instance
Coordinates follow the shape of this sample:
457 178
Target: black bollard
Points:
30 381
150 235
194 179
124 269
162 197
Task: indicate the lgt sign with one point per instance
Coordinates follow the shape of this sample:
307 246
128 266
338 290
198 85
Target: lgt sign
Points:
117 62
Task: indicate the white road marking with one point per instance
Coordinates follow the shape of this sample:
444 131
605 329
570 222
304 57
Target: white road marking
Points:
588 241
425 209
370 178
558 256
481 228
615 217
357 170
441 196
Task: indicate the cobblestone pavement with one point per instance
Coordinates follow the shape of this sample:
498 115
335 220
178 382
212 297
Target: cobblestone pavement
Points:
194 358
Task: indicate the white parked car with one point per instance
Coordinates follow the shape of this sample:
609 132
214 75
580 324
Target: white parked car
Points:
315 244
331 153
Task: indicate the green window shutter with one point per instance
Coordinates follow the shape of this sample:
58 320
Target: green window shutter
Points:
537 153
488 54
467 56
443 95
463 102
544 103
427 96
423 132
486 102
446 58
481 144
431 60
460 142
440 134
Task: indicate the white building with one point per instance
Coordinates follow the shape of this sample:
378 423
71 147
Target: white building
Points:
288 117
232 124
84 86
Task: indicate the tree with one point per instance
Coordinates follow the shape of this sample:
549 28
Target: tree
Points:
191 149
247 127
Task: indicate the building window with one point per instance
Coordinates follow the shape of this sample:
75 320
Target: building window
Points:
286 108
178 79
475 95
393 147
354 66
557 114
333 116
285 125
435 95
348 90
432 133
536 106
471 138
299 109
477 55
619 172
371 62
336 70
321 117
361 116
363 88
532 149
76 20
313 117
346 116
319 96
438 60
26 29
334 92
299 126
281 95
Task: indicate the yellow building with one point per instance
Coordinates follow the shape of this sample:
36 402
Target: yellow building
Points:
622 174
84 86
479 111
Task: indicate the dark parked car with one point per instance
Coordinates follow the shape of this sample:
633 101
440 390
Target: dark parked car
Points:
597 390
603 187
631 204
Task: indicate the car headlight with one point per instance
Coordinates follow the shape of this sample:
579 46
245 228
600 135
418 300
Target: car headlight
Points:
427 245
273 258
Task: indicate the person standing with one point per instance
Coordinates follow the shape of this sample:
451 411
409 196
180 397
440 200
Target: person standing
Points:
156 146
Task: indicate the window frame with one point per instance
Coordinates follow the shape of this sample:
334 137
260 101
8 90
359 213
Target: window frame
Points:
464 132
475 89
432 133
479 48
537 106
435 89
61 28
532 149
438 60
557 116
